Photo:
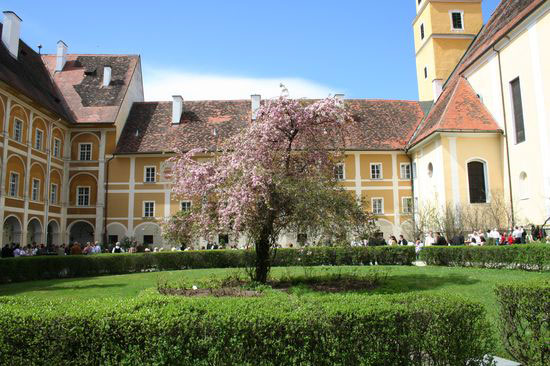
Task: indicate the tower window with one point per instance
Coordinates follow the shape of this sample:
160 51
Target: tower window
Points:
425 72
457 20
518 111
477 182
421 31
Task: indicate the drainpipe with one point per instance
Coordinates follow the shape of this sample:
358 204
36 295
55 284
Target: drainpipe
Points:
412 194
106 200
506 134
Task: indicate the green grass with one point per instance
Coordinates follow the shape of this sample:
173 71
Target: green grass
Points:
474 284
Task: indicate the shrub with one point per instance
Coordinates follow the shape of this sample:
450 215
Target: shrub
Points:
527 257
270 330
525 321
50 267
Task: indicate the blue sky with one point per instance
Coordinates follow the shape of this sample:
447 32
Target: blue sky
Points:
230 49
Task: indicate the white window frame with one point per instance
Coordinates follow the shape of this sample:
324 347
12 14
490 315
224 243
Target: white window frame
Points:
403 206
337 171
18 136
78 196
53 198
145 211
36 197
401 171
185 202
13 192
451 12
80 150
381 173
381 208
38 143
56 151
154 174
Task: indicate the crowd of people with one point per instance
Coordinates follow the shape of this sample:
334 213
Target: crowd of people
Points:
15 250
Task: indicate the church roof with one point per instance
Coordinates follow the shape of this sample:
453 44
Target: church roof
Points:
458 107
380 125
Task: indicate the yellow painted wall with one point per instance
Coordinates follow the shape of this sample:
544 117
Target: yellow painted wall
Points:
119 170
448 53
83 180
385 159
117 205
2 108
59 135
441 20
349 167
141 197
21 113
110 144
84 138
387 195
37 172
425 58
15 165
39 123
141 163
424 18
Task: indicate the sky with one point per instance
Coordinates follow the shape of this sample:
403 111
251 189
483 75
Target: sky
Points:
230 49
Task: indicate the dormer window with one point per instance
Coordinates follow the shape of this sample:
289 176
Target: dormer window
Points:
457 20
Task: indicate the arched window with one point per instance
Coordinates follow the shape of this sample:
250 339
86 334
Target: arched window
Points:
523 186
430 170
477 181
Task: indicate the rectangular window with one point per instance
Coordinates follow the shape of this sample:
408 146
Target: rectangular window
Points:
18 130
35 193
339 172
378 206
14 184
421 31
38 139
149 209
53 194
426 72
56 147
407 205
150 174
457 20
85 151
405 171
185 205
376 171
414 170
518 110
83 196
148 240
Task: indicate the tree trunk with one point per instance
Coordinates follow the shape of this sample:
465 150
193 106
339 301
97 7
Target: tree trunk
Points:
263 246
262 259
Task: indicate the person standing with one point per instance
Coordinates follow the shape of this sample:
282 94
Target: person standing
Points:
117 248
403 241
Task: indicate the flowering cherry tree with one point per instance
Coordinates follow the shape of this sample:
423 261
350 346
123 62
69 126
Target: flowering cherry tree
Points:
276 176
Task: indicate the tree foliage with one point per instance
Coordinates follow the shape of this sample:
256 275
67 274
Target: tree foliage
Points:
276 175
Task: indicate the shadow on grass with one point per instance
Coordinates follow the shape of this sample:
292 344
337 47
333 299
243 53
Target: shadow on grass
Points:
422 282
26 287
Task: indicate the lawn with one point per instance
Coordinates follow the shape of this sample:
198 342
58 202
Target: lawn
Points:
474 284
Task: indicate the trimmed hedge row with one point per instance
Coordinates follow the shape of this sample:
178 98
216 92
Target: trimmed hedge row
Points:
525 321
270 330
51 267
533 257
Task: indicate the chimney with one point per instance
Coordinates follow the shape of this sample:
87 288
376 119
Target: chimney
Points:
106 76
437 86
11 32
61 58
177 109
256 99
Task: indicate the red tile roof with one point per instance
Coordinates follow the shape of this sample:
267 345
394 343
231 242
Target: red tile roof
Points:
80 83
381 125
458 108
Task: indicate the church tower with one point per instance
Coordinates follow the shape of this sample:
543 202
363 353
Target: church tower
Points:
443 30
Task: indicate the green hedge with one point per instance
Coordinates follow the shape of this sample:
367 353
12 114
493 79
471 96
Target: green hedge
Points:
51 267
270 330
533 257
525 321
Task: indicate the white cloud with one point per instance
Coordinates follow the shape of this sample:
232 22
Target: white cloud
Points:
161 84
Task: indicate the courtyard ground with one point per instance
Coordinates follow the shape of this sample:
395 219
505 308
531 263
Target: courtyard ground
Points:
471 283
